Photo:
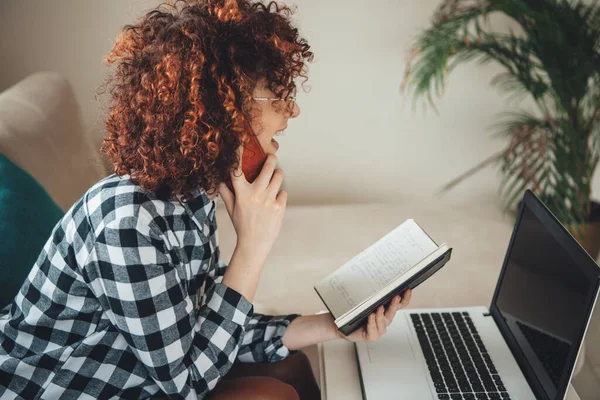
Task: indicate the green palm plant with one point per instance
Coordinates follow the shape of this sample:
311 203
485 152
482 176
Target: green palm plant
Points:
556 61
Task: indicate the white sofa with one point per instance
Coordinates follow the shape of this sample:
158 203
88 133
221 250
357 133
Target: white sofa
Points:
41 130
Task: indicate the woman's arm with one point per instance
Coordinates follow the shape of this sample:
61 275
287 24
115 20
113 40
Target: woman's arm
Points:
243 271
186 351
312 329
256 211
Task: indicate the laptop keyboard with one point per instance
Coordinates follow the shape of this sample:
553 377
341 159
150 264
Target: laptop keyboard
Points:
458 362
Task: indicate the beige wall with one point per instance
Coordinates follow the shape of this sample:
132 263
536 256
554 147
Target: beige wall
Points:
358 139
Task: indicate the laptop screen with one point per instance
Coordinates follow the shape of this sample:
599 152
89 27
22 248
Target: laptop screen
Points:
543 299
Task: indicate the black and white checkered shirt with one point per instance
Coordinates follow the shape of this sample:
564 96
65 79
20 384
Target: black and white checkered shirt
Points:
126 300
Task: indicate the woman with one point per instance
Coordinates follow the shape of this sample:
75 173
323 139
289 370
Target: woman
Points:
129 298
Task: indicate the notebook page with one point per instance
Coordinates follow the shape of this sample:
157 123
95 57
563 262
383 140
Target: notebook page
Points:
375 267
394 283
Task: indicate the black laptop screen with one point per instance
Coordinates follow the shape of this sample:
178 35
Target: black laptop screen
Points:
542 299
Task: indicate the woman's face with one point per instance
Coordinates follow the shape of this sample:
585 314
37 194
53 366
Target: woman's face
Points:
271 117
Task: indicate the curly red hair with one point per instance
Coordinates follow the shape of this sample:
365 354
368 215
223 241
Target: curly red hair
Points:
181 95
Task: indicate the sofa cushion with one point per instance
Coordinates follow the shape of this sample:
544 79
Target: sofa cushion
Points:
27 217
41 131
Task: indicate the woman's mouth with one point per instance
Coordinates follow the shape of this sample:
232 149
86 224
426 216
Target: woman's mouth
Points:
275 144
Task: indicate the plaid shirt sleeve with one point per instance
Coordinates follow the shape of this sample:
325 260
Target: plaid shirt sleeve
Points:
263 334
263 338
186 350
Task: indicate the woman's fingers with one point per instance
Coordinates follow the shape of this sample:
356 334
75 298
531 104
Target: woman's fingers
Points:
391 310
381 323
380 319
282 198
372 333
266 173
396 304
406 298
276 181
237 175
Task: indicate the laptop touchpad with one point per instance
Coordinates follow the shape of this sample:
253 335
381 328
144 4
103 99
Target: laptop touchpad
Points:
394 364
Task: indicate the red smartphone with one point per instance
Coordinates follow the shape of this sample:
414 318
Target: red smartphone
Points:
253 159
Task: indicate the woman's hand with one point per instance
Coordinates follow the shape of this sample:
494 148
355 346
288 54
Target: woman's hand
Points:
256 209
311 329
379 320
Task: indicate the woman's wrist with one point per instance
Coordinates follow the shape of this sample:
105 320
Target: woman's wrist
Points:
243 272
310 329
331 327
254 256
250 252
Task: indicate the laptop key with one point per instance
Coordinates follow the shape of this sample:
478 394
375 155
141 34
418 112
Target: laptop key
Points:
443 396
435 373
448 375
488 384
427 352
450 382
433 369
456 396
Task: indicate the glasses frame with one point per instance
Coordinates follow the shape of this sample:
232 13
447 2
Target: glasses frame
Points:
291 99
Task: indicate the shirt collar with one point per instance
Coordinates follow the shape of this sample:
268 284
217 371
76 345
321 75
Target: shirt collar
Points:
200 206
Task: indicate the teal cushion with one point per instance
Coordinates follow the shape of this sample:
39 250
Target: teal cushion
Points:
27 216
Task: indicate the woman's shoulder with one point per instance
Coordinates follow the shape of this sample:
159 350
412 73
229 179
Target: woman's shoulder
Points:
119 189
115 199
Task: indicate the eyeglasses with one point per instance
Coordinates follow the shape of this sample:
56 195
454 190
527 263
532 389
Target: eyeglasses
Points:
291 99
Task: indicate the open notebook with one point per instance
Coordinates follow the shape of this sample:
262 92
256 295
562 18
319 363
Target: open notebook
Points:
402 259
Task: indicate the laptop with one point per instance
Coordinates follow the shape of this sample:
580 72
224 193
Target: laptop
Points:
524 346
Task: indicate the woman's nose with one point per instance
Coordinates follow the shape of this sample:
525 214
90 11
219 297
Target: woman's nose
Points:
295 110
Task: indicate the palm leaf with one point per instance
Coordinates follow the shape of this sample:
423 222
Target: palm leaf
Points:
556 61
